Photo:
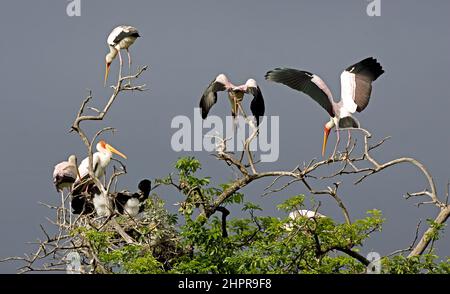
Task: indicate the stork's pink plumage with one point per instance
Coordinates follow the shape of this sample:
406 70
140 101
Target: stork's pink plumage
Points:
65 174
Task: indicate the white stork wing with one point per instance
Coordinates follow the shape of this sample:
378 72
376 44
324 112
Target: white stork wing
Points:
121 32
306 82
257 105
356 84
83 168
209 97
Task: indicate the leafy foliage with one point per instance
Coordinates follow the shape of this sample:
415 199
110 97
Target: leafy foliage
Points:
253 244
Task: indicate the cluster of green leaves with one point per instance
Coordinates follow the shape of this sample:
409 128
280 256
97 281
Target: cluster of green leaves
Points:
133 259
425 264
254 244
264 244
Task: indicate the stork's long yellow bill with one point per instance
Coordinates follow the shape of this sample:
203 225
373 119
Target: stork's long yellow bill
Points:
108 65
114 150
326 132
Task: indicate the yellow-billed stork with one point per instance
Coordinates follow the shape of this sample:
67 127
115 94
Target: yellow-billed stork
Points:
121 38
85 190
100 160
356 88
235 95
64 175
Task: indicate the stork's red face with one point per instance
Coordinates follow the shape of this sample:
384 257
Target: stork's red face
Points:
106 146
103 144
326 133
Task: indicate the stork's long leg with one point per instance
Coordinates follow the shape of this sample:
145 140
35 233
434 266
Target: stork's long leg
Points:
70 214
63 213
237 112
349 139
338 139
129 61
129 66
121 65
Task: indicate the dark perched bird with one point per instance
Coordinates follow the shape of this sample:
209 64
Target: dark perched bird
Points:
356 88
235 95
82 198
132 203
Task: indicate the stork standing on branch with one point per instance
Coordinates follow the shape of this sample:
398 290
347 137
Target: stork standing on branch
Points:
100 161
64 175
235 95
356 88
121 38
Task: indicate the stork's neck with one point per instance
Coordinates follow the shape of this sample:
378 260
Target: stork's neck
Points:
105 156
331 124
112 54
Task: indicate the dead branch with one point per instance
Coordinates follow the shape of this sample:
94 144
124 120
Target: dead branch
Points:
348 166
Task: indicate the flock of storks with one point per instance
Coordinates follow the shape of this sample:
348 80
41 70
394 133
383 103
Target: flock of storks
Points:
86 198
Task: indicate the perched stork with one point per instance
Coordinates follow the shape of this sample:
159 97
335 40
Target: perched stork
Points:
121 37
235 94
100 160
64 175
356 88
83 188
131 203
301 213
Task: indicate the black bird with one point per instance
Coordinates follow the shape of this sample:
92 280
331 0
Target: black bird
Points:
132 203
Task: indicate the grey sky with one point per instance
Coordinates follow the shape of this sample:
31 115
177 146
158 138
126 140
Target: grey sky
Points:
48 60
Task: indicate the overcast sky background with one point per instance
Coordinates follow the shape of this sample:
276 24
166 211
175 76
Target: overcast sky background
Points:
48 60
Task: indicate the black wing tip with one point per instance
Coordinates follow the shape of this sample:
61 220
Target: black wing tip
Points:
203 110
375 66
269 74
371 64
280 70
204 113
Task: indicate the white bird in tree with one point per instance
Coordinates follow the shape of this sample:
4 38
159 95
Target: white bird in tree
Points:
121 38
100 161
64 175
304 213
356 88
235 95
301 213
